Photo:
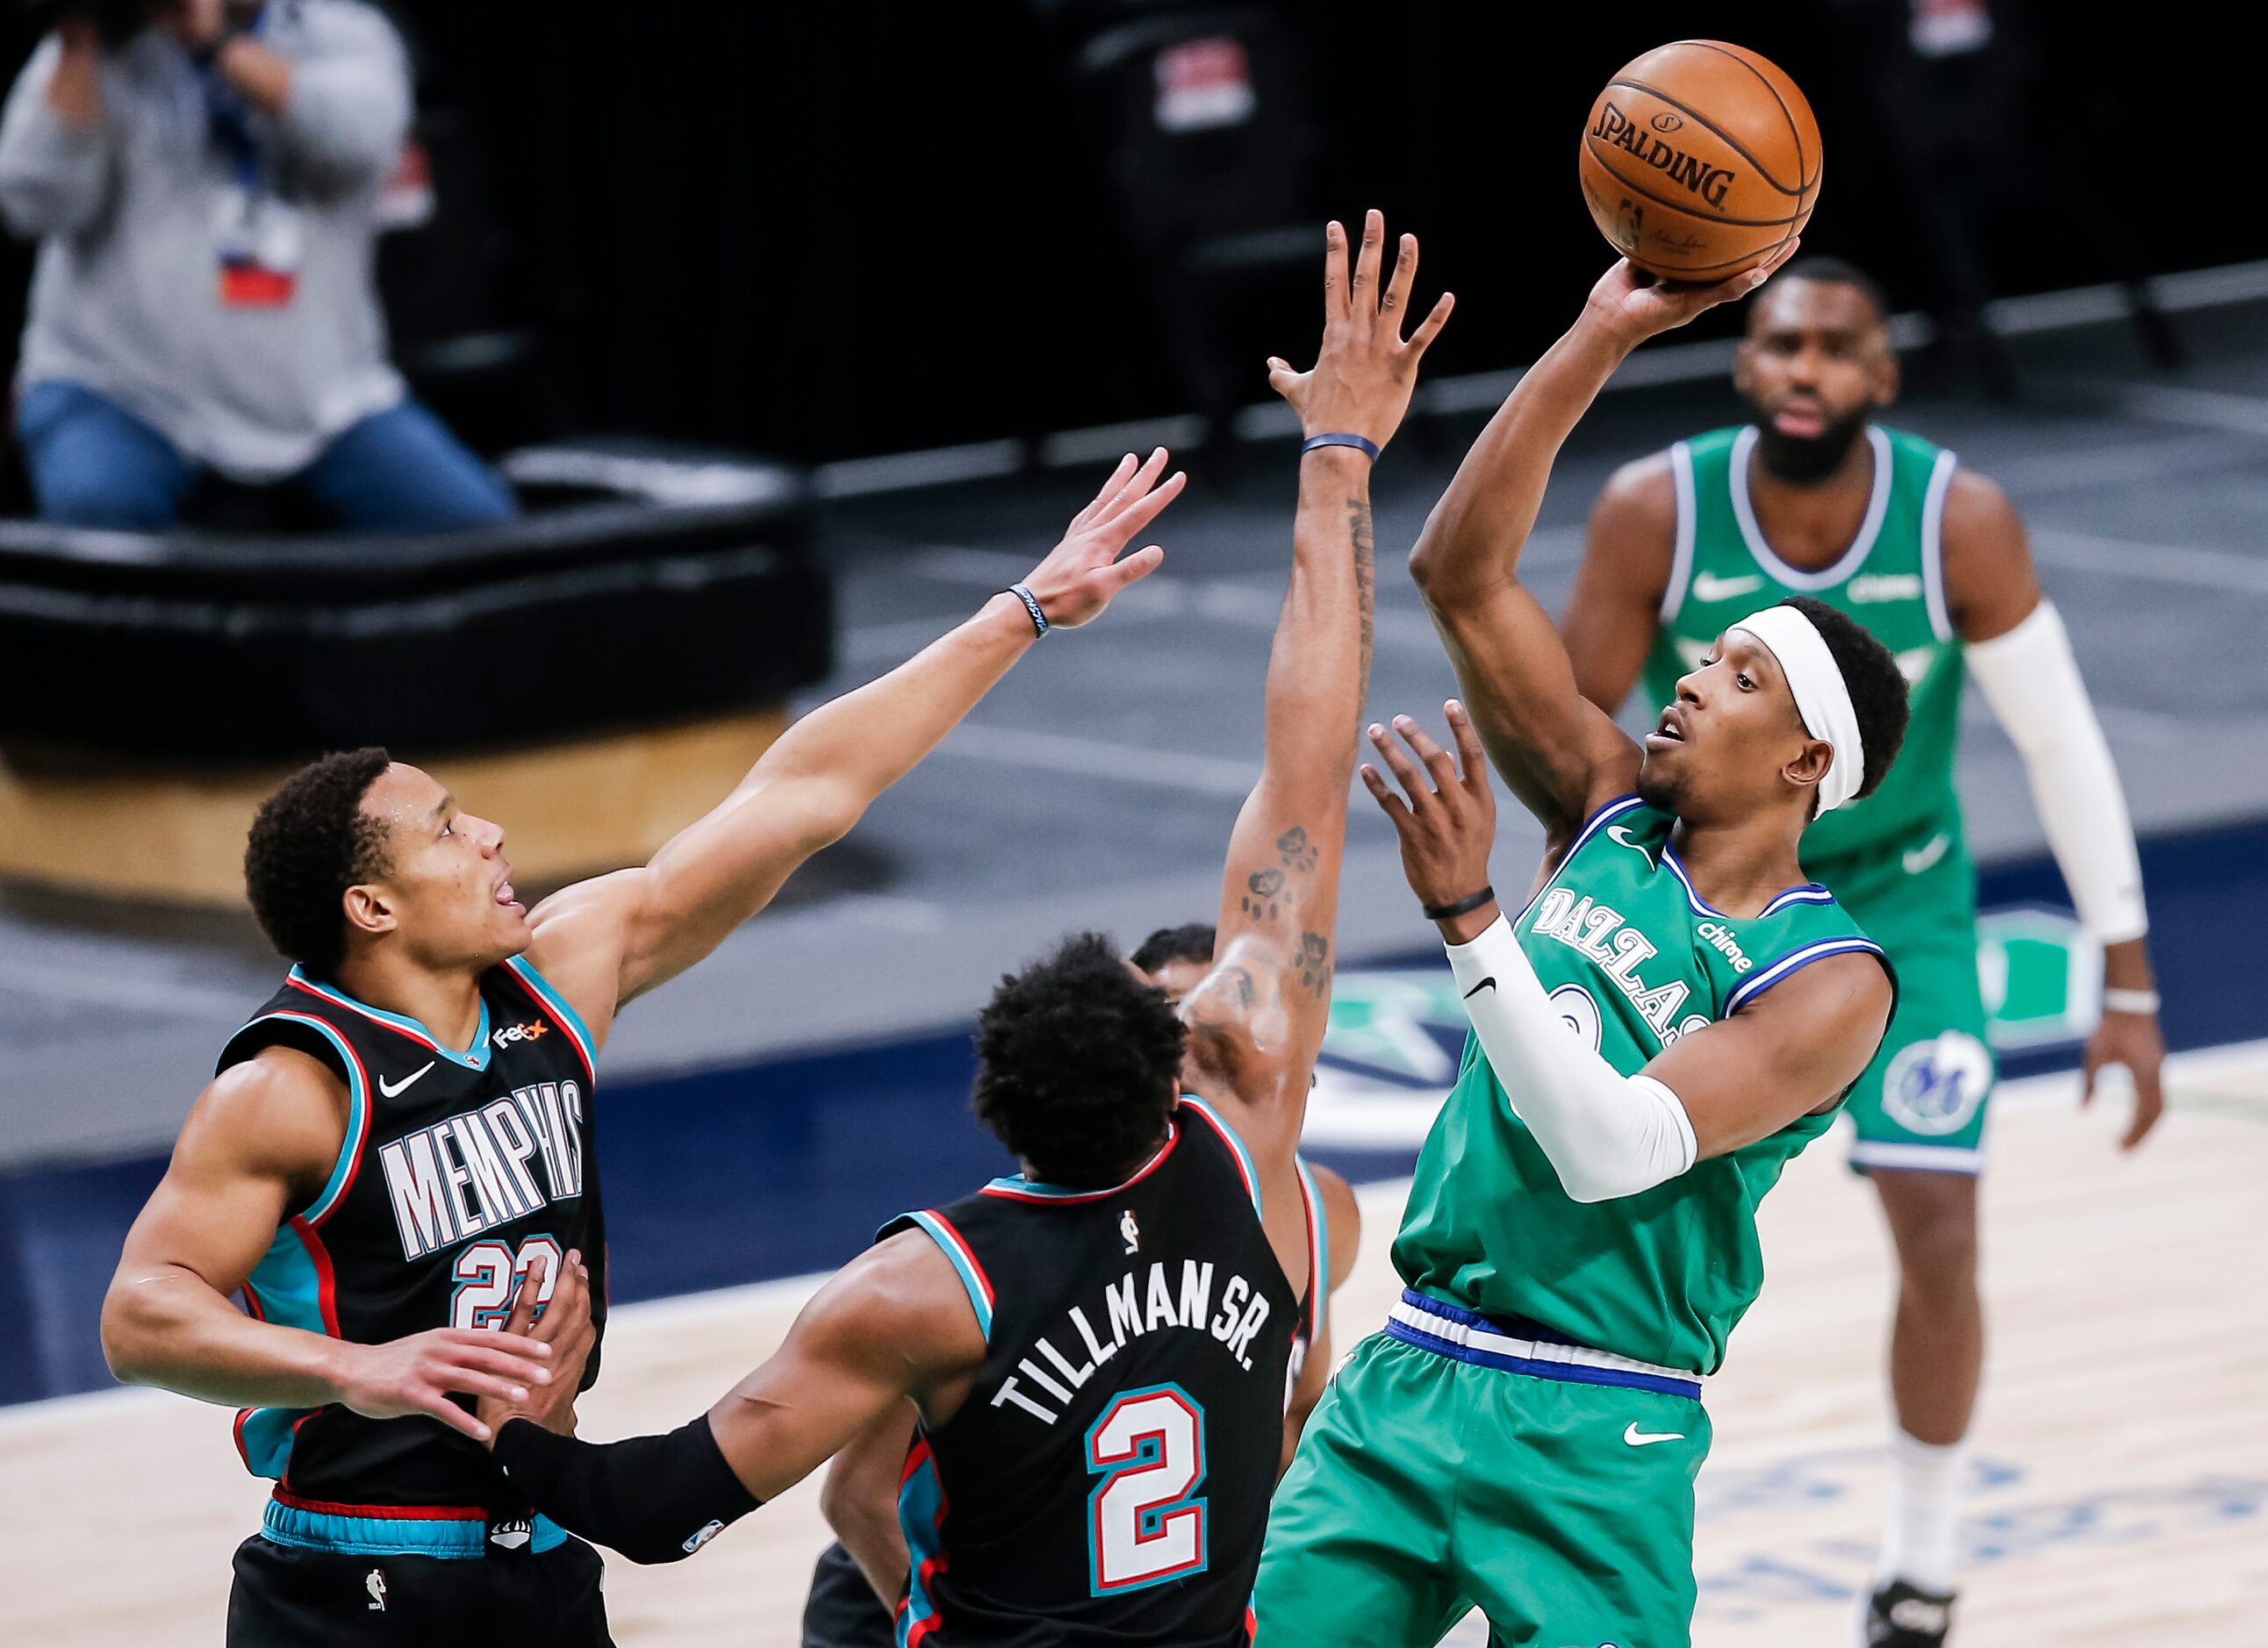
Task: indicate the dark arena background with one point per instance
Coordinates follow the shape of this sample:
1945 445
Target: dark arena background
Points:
799 332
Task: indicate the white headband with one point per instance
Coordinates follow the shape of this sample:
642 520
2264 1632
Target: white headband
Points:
1821 697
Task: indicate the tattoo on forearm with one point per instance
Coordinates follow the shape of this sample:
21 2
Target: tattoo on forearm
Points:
1315 964
1365 578
1300 853
1263 890
1247 991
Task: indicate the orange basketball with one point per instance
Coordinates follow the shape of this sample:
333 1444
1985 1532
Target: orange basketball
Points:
1699 160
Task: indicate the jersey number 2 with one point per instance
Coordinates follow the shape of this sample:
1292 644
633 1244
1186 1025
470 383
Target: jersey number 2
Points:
1145 1521
488 1271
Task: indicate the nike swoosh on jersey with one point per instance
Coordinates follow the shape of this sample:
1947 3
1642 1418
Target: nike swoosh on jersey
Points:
1619 834
394 1089
1709 587
1487 983
1920 858
1637 1437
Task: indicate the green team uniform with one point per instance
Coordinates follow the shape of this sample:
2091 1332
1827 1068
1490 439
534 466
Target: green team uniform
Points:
1898 860
1524 1435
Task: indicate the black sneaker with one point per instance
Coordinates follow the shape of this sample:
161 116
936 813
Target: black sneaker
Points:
1898 1615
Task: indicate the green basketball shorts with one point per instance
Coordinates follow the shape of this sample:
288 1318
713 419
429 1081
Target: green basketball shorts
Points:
1921 1105
1427 1485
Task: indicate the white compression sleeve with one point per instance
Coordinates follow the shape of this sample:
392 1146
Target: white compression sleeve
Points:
2030 679
1608 1135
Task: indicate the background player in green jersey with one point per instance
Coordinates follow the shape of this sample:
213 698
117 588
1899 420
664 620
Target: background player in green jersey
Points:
1816 498
1672 1015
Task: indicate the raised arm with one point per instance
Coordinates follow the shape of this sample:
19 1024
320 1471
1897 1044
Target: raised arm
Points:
1257 1020
605 941
1611 617
54 147
1559 753
257 1148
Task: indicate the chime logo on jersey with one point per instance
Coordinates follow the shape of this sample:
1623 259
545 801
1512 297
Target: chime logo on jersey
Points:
477 1170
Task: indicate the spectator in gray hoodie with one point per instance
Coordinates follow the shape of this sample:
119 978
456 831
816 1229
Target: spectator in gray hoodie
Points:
205 198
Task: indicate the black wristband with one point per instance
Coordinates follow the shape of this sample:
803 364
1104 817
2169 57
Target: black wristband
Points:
1342 438
1032 605
1463 906
655 1499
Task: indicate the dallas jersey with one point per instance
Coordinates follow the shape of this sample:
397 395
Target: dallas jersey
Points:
1634 959
456 1170
1890 580
1107 1479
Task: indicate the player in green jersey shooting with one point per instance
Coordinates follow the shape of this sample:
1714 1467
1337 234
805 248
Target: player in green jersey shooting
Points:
1669 1016
1815 497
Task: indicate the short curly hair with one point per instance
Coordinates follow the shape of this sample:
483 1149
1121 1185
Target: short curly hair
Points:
310 842
1078 1063
1871 675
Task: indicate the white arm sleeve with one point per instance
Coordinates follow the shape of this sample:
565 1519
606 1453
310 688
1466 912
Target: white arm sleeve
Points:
1608 1135
2030 679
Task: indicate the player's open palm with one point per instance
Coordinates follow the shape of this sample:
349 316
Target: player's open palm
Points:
1637 305
1448 824
1361 381
1081 574
418 1375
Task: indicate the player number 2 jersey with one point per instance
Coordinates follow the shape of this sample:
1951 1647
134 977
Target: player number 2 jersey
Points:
1106 1480
1634 959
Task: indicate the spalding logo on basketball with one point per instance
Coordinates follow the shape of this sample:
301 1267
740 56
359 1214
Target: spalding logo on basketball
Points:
1699 160
1935 1086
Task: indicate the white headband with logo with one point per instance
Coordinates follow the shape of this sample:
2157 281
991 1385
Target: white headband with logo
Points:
1822 696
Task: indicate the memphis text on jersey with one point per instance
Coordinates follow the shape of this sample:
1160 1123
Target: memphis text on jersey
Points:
487 1167
1144 1300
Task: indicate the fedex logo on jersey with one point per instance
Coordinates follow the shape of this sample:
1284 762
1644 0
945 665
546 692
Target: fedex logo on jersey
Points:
478 1169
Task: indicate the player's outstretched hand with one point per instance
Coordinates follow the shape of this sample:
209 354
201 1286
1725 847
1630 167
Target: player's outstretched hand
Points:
1081 574
1448 825
1361 381
560 1318
1635 305
417 1375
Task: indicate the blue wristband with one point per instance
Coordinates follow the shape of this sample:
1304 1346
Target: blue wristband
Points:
1355 441
1032 605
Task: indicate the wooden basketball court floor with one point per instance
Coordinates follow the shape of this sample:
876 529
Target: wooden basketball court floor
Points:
2120 1496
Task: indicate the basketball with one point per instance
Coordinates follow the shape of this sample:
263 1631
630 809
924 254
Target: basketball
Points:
1699 160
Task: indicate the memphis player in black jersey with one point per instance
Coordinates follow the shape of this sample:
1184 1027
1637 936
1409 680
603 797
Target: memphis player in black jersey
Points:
400 1143
1098 1347
850 1604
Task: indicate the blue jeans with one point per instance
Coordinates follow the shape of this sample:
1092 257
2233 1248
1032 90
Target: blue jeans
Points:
93 463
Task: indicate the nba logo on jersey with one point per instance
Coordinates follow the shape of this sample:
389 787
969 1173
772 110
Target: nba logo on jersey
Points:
1935 1086
1130 1231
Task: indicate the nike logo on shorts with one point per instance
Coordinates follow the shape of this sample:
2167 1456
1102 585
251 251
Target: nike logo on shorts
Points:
1920 858
1637 1437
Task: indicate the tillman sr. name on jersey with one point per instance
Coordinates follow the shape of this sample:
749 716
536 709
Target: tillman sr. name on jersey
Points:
1144 1300
487 1167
